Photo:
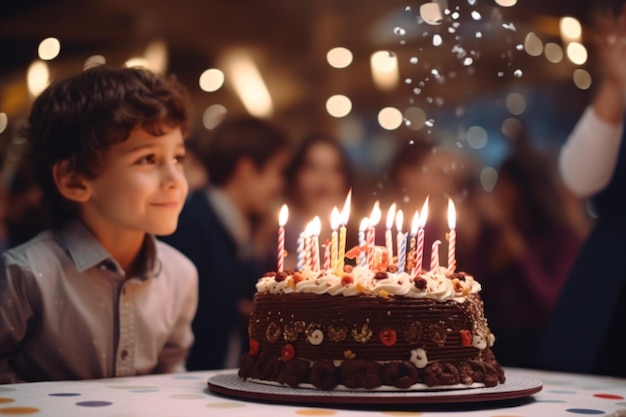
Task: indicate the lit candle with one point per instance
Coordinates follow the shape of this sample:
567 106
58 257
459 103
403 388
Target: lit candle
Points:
283 215
452 236
434 256
345 216
420 238
412 242
371 234
335 219
362 241
327 255
401 241
391 215
316 227
307 246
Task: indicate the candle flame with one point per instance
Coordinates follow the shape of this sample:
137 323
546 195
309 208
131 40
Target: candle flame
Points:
399 220
451 215
283 215
365 223
376 215
335 218
307 230
316 226
424 214
391 214
415 223
345 212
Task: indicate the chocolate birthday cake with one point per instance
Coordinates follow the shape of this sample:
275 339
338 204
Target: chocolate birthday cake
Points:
370 329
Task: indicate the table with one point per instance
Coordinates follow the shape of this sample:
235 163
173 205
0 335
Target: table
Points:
186 394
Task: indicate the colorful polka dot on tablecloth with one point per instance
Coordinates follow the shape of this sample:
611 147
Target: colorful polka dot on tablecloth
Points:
609 396
19 410
94 403
64 394
585 411
6 400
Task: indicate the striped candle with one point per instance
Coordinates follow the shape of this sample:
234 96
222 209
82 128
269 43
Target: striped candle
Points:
391 215
434 256
363 242
452 236
371 234
282 220
400 241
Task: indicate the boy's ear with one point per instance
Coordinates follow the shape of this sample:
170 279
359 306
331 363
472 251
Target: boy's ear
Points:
70 184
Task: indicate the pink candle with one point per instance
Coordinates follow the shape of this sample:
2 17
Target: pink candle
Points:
391 216
282 220
413 241
316 227
327 255
452 236
434 255
420 238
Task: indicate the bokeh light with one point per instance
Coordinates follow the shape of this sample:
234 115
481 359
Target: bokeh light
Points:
94 61
516 103
506 3
136 61
156 56
577 53
414 118
338 105
4 121
512 128
213 116
384 65
49 49
390 118
571 29
211 80
533 45
477 137
488 178
431 13
37 77
553 52
582 79
339 57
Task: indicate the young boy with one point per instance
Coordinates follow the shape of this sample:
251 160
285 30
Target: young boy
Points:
96 295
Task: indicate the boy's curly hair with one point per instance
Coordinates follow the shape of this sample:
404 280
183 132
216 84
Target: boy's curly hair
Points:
79 118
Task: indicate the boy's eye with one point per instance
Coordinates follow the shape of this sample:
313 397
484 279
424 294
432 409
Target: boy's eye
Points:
180 158
147 159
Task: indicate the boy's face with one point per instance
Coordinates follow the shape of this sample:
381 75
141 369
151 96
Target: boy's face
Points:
142 186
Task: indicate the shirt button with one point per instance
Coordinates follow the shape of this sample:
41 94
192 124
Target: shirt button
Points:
124 354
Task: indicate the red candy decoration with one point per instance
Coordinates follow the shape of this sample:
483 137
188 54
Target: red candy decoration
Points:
254 347
388 337
466 338
288 353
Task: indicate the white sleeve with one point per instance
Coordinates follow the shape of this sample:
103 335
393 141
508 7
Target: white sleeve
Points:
587 160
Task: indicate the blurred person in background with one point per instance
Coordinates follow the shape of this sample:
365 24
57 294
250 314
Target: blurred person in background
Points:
524 253
319 177
422 169
245 158
587 330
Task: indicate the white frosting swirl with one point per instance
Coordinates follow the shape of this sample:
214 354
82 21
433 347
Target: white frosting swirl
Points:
364 281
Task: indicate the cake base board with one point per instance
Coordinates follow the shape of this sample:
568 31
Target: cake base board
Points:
231 385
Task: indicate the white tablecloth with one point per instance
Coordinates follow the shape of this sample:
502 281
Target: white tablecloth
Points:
187 395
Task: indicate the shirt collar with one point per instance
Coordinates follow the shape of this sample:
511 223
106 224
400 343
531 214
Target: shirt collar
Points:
87 252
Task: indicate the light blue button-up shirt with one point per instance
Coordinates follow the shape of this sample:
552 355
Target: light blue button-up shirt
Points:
67 310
